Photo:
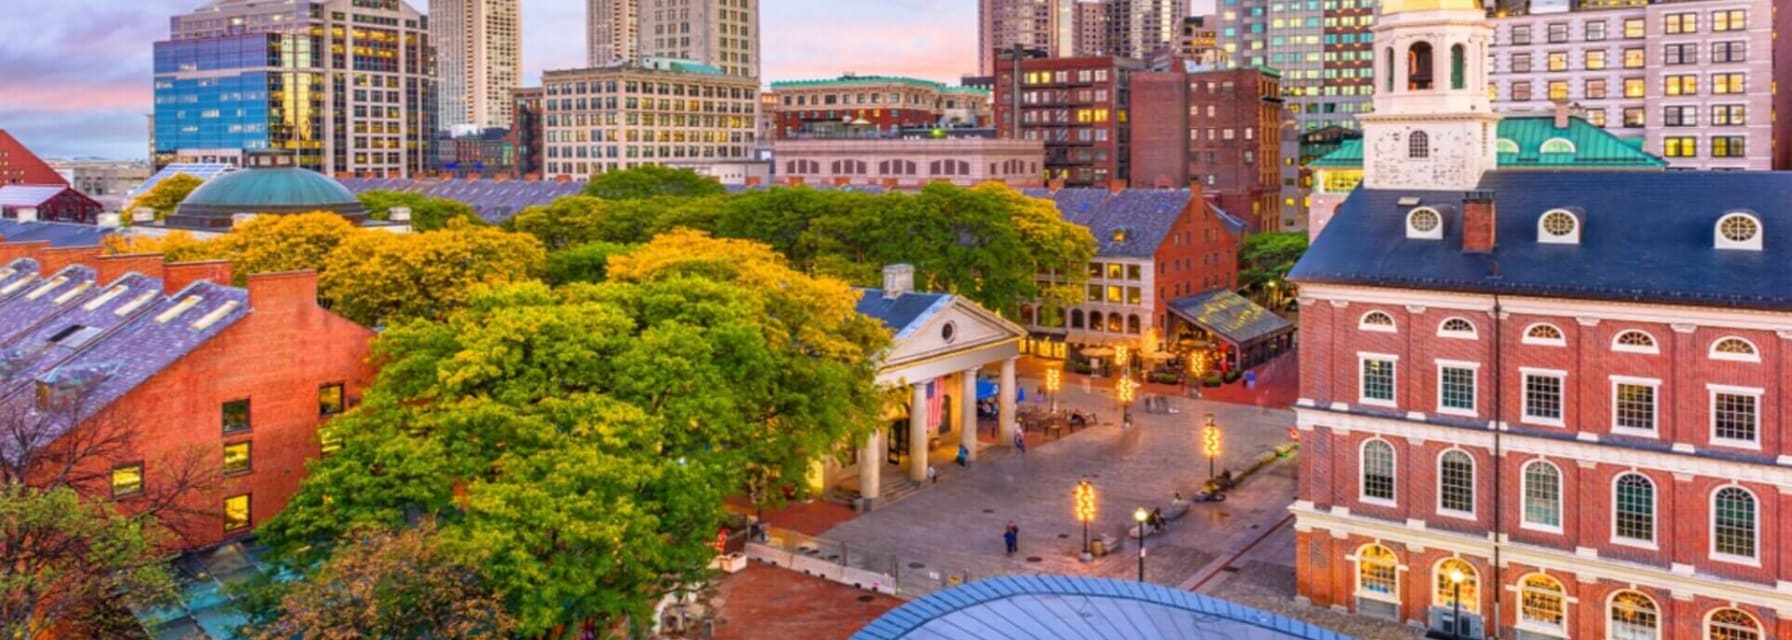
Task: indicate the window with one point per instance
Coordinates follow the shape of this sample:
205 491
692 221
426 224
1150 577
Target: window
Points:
1557 32
1456 389
1544 334
1456 328
1728 83
1680 116
1681 23
1733 523
1541 604
1731 20
1685 53
1634 617
236 512
1729 115
127 480
1378 471
1418 146
1596 60
1681 85
329 399
1634 88
1736 349
1730 624
1633 509
1376 321
1558 226
1521 63
1558 90
1424 222
1634 342
1595 30
1505 145
1633 404
1543 397
1456 483
1738 231
1521 34
1680 147
236 416
1729 51
1635 117
236 458
1734 416
1557 60
1557 145
1634 58
1635 28
1521 90
1378 381
1378 573
1543 495
1446 589
1728 146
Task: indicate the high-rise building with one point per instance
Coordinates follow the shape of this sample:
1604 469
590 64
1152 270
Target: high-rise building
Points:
1091 29
720 33
1138 28
479 60
1077 107
346 85
610 33
657 111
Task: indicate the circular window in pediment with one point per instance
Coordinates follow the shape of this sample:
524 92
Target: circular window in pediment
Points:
949 332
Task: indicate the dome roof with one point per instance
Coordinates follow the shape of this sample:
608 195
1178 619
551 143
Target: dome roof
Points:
1401 6
266 190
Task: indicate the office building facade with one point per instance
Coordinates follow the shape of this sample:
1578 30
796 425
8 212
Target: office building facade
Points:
346 85
610 31
721 33
653 112
1139 28
870 106
1078 108
479 61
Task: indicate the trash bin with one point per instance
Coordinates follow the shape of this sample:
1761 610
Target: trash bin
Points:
1098 547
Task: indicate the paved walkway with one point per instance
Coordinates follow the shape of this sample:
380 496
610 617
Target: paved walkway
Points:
768 602
1278 383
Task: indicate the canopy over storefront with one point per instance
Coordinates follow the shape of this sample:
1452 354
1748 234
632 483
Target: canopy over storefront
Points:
1255 333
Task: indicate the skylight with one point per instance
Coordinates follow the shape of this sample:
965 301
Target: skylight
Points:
179 308
46 288
103 298
207 320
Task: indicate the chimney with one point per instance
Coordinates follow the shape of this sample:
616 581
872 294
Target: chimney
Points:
1562 112
55 259
1478 222
1116 186
178 275
284 290
898 279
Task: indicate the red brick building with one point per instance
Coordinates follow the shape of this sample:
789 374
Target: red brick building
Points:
242 377
1078 108
19 165
1220 129
55 203
871 105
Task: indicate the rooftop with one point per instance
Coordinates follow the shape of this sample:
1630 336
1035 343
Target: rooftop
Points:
860 81
1522 144
902 314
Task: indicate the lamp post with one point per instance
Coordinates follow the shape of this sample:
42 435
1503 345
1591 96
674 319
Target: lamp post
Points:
1125 388
1141 516
1121 357
1456 604
1054 380
1083 500
1210 444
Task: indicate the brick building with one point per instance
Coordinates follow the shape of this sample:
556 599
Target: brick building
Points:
1540 404
526 130
1078 108
18 165
909 163
245 377
872 105
52 203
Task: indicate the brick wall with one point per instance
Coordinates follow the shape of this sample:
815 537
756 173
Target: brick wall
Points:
1198 255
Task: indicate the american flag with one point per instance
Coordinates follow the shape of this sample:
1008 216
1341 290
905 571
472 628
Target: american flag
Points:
934 399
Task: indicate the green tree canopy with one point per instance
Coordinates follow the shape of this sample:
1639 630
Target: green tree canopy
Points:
427 213
1265 259
377 278
579 441
166 195
70 560
649 180
584 263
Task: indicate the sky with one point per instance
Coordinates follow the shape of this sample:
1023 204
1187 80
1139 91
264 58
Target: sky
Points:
75 75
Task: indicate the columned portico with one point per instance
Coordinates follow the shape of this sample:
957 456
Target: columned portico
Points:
917 431
870 466
967 413
1005 420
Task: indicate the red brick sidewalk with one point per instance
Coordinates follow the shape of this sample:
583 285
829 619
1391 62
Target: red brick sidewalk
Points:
768 602
811 518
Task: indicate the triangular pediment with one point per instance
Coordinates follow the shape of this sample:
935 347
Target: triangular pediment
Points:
971 327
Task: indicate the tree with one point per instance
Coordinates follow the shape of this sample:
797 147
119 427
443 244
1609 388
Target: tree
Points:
584 263
377 278
166 196
69 560
577 220
427 213
1264 262
649 180
275 243
579 441
383 584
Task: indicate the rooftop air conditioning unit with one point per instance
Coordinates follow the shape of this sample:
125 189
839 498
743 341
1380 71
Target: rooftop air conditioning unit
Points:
399 214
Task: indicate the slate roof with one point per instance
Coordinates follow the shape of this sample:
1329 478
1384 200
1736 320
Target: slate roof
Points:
27 354
1234 317
35 301
1593 147
1145 215
903 315
144 346
493 200
58 234
1645 237
1047 607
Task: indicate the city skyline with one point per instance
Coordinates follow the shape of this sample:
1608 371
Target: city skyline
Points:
90 99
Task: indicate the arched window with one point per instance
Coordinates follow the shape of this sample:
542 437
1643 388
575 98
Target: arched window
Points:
1418 145
1542 495
1452 574
1635 342
1377 573
1633 508
1633 616
1132 324
1458 67
1390 70
1557 145
1378 470
1116 324
1731 624
1095 323
1076 318
1376 321
1505 145
1456 328
1418 66
1545 334
1456 482
1733 522
1542 604
1733 348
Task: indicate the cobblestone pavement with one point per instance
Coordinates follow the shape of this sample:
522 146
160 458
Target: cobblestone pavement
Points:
769 602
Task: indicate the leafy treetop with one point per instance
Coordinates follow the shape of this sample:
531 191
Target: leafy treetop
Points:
650 180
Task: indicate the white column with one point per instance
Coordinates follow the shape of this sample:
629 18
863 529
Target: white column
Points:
871 466
917 432
1005 420
967 423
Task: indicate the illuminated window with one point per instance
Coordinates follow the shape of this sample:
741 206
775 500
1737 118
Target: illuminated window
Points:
236 512
1734 349
1634 616
1376 321
1545 334
1378 573
1634 342
329 399
127 480
1541 604
236 458
1447 588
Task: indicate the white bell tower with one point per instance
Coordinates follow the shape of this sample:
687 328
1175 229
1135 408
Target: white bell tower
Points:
1433 127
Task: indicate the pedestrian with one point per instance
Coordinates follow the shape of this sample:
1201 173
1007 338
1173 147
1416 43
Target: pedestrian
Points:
964 456
1020 441
933 475
1011 537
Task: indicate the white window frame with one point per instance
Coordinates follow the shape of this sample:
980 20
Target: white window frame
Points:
1654 541
1568 603
1654 399
1545 237
1711 527
1460 335
1654 349
1362 382
1752 244
1714 354
1391 327
1436 232
1711 391
1474 497
1474 387
1524 494
1524 396
1705 623
1556 342
1362 486
1473 575
1611 600
1356 568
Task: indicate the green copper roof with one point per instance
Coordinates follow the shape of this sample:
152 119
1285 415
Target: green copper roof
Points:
850 81
255 189
1522 140
680 64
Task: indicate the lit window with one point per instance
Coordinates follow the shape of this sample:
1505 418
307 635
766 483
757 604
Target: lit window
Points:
1378 381
1456 482
1733 523
1634 342
236 458
127 480
1634 617
1633 508
1544 334
1543 397
329 399
1378 470
1633 405
1447 588
236 512
1378 573
1543 495
1541 604
1730 624
1734 349
1376 321
236 416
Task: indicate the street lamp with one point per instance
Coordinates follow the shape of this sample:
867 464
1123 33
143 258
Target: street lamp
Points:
1054 380
1120 359
1210 444
1083 500
1455 603
1125 388
1141 516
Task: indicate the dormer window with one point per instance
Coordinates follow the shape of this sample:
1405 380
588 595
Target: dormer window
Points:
1635 342
1557 145
1119 235
1505 145
1376 321
1424 223
1738 231
1558 226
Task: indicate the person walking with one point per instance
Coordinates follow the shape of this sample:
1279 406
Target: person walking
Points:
1011 537
933 475
1020 441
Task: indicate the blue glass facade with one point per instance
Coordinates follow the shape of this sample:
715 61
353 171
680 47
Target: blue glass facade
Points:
251 91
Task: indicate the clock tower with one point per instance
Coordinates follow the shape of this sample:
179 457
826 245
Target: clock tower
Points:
1433 127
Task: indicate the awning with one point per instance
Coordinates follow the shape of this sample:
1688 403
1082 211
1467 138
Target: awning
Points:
1230 316
987 389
